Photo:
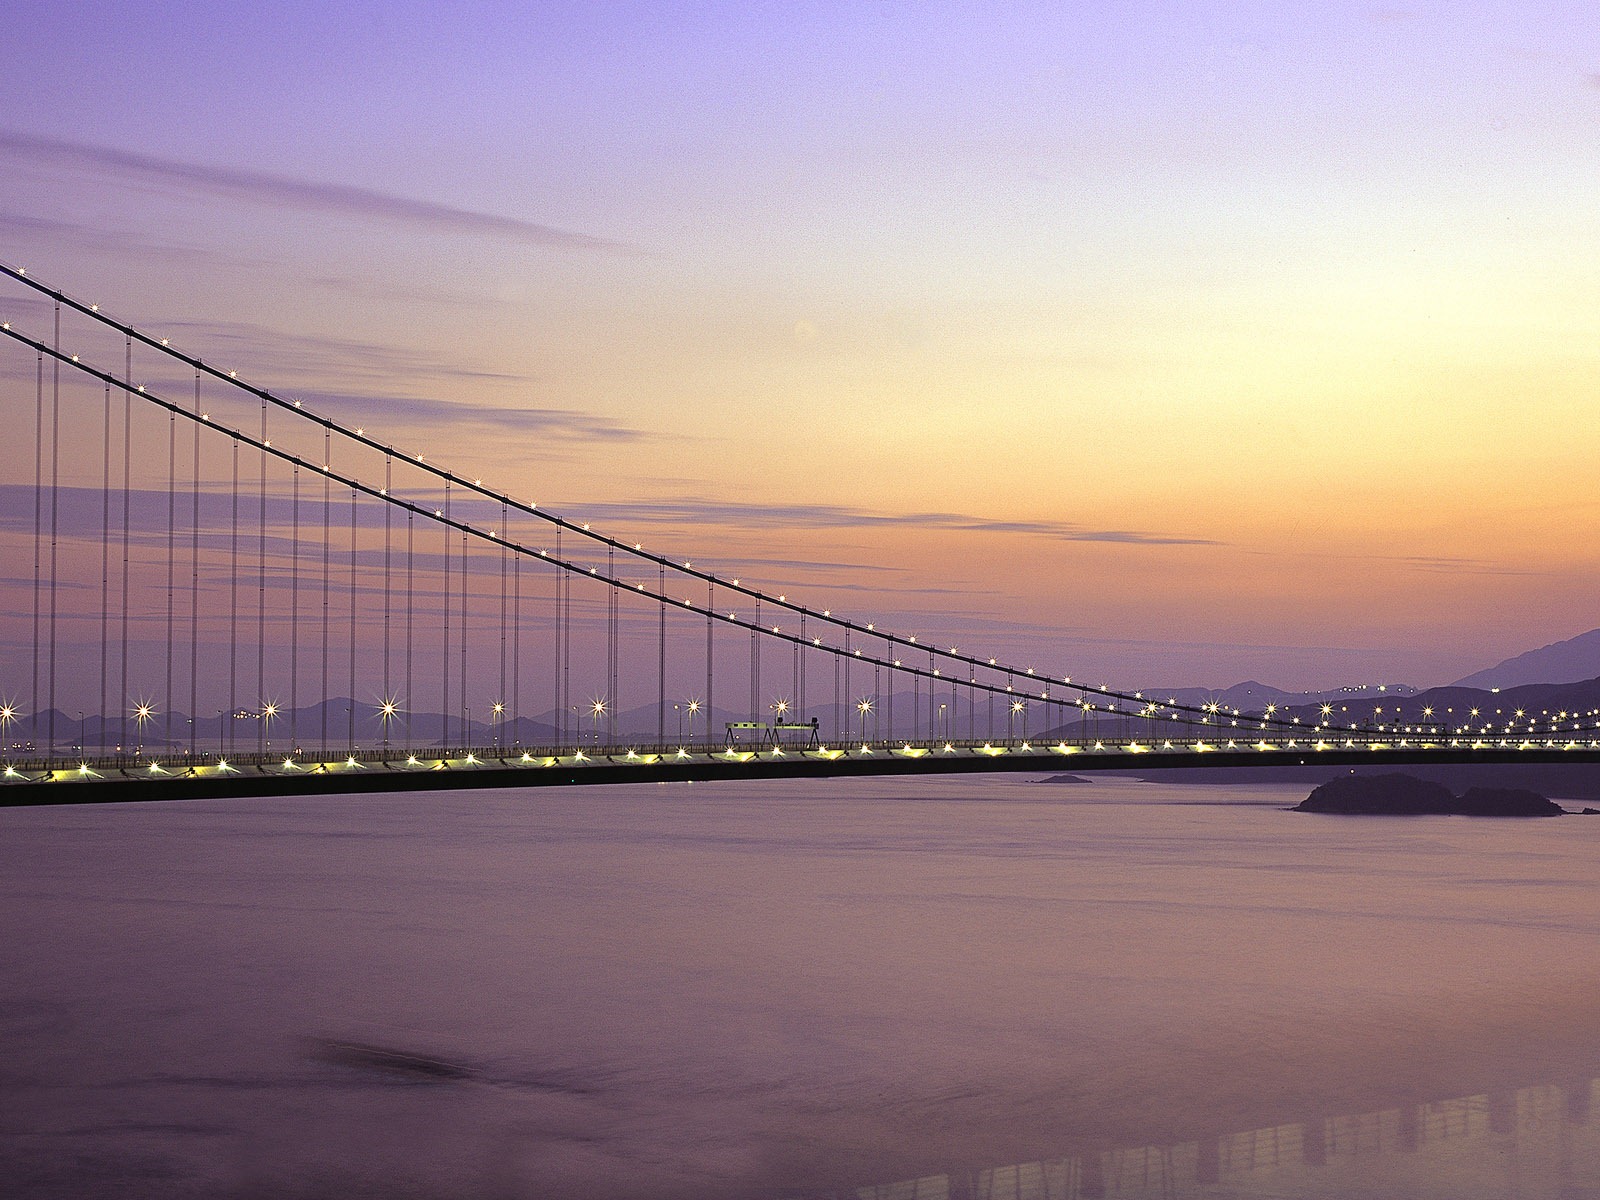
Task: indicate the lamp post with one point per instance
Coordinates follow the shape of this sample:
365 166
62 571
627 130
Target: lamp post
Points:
864 706
499 720
597 709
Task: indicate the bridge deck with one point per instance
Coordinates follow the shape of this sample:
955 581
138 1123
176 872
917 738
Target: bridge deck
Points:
144 778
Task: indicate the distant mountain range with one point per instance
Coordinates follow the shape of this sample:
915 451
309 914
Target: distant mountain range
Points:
1255 696
1571 661
1576 660
1562 677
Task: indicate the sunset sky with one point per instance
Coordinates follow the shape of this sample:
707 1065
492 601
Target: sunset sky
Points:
1171 344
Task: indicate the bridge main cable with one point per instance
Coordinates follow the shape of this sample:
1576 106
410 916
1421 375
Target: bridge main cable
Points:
1202 714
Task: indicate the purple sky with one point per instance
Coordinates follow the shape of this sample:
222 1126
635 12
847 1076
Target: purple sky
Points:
1170 344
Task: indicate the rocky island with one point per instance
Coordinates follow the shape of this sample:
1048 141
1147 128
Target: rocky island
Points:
1399 795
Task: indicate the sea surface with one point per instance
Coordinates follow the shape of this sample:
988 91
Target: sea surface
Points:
900 990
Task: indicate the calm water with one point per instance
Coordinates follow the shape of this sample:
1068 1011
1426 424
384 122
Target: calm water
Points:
877 989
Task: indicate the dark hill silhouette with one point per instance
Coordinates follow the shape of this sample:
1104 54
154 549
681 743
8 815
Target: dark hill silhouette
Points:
1570 661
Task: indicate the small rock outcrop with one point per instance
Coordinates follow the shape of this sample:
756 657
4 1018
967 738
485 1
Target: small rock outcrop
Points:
1507 802
1399 795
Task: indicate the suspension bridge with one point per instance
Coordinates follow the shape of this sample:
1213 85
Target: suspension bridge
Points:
215 590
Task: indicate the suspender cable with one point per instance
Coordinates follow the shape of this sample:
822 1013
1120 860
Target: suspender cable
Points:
845 715
561 679
711 690
411 561
105 560
661 658
194 584
294 607
889 704
800 661
466 713
233 605
388 587
350 708
611 647
327 551
172 560
505 566
38 537
127 509
837 706
516 648
444 655
261 596
755 664
55 526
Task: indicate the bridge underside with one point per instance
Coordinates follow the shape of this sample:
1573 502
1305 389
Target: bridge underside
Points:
99 782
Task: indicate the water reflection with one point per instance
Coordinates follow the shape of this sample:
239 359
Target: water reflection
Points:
1532 1143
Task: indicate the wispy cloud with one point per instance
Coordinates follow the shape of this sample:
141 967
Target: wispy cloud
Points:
259 187
417 412
18 228
317 356
269 357
1433 562
1461 566
831 516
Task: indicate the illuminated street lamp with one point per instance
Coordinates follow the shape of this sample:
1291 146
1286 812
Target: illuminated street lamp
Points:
597 709
142 713
1017 706
386 712
864 707
499 719
269 710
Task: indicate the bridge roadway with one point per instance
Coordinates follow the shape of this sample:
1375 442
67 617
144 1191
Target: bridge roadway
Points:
147 777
